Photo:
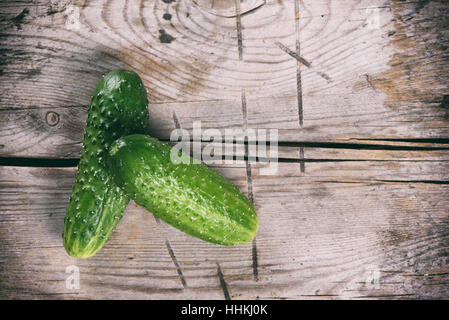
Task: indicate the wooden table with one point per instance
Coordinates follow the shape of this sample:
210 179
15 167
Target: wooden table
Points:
357 90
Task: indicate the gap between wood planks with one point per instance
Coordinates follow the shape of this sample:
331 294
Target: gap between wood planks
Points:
73 162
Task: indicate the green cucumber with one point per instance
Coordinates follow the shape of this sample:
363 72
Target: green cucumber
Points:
119 107
191 197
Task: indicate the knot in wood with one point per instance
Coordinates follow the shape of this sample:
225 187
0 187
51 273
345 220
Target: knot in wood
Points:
52 118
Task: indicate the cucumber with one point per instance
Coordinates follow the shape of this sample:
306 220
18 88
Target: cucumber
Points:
191 197
119 107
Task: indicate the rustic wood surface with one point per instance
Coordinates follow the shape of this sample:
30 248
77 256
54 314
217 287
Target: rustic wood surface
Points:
357 90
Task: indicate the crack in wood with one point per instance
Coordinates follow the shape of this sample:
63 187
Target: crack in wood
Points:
39 162
413 140
415 181
378 181
73 162
335 145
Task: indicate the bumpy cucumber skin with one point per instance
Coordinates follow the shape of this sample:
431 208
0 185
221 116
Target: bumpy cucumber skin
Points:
119 107
190 197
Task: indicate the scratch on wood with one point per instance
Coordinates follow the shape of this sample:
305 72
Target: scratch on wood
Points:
248 163
368 79
255 261
157 219
244 109
302 164
250 182
176 120
239 28
293 54
298 67
175 262
223 285
301 60
18 20
296 55
252 10
445 102
324 76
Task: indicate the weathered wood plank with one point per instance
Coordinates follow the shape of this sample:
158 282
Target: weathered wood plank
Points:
57 132
133 40
322 43
322 234
380 88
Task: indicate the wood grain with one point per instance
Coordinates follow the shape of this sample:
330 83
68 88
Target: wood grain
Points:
357 90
